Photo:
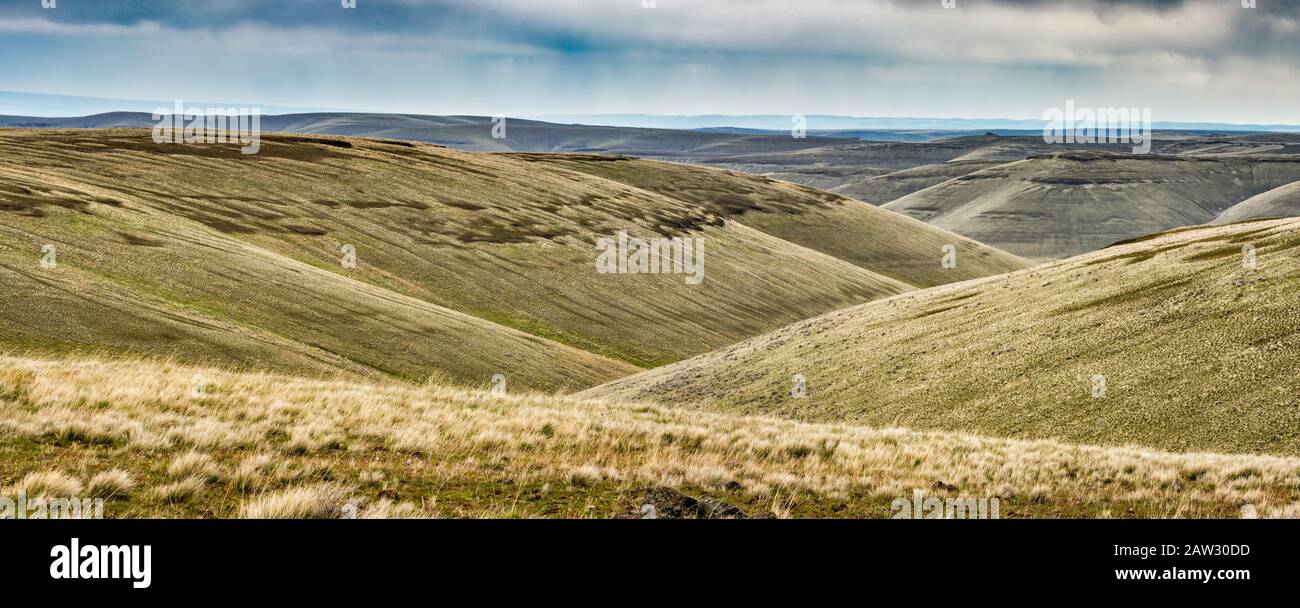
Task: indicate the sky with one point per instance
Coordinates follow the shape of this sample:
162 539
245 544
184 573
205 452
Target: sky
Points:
1187 60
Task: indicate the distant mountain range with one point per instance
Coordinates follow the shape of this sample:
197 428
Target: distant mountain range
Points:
51 105
829 122
872 128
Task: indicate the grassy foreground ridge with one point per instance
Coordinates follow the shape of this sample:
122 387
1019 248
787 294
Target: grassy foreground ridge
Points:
263 445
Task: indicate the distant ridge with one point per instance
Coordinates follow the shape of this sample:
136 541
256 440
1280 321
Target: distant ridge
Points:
53 105
831 122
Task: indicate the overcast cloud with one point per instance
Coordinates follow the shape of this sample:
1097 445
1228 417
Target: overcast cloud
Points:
1208 60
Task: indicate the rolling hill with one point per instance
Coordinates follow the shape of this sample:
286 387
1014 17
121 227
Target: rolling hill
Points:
1197 352
889 244
1063 204
467 265
133 275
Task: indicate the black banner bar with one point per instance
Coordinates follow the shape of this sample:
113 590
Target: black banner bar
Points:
319 558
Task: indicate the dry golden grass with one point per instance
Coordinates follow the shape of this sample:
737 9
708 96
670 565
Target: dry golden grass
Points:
179 491
192 464
114 483
262 445
251 472
49 484
318 501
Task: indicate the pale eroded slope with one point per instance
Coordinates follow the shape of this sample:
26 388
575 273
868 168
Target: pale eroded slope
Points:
1278 202
1058 205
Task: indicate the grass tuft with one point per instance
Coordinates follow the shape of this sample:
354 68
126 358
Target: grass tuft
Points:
110 484
319 501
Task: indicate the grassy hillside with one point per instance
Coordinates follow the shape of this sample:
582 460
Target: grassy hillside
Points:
1278 202
1058 205
884 243
256 242
134 280
1197 352
260 445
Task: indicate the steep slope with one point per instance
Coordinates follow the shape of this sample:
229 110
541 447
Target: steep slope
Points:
1064 204
1278 202
882 242
494 237
1197 352
128 280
